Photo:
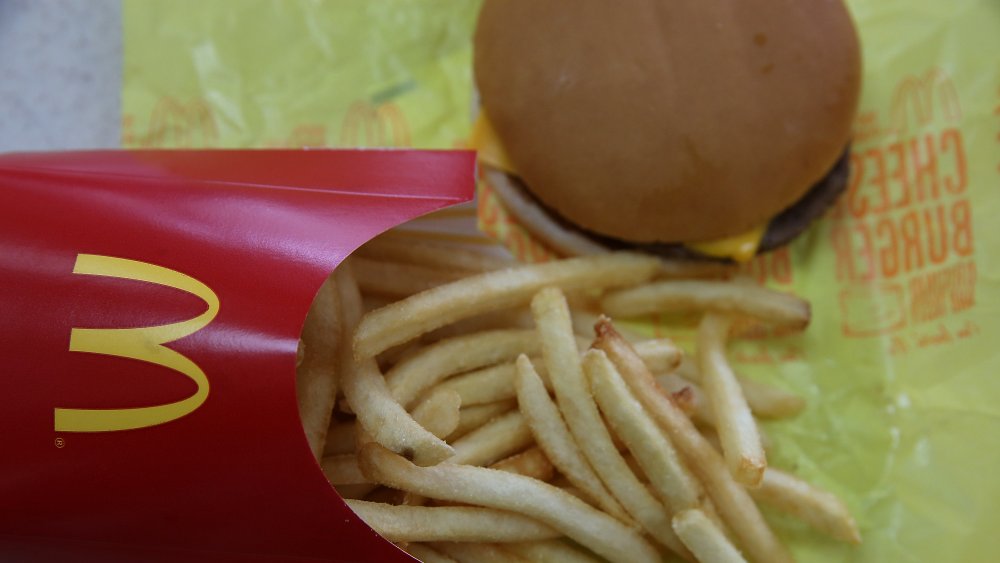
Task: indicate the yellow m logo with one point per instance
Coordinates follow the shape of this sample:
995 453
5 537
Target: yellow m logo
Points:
145 343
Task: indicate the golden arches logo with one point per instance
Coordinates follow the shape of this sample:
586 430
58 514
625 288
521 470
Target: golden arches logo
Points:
374 126
143 343
916 97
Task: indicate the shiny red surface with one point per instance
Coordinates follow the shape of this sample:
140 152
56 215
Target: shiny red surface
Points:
233 480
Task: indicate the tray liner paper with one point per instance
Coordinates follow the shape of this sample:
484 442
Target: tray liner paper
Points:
152 304
900 363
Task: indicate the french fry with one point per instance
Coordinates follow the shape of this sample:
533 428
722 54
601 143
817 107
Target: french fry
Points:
531 463
484 385
343 470
491 384
769 401
505 435
393 355
316 376
470 418
418 372
584 321
652 449
413 499
427 554
554 438
713 438
708 431
765 400
732 501
495 383
366 392
392 279
688 369
385 495
550 551
340 439
701 409
737 428
361 436
434 308
705 540
756 301
402 523
431 254
504 318
660 354
821 509
684 399
634 466
439 412
564 484
478 553
490 488
555 330
448 351
387 421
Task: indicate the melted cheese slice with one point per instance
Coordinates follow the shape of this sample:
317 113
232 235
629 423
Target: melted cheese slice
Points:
487 144
740 248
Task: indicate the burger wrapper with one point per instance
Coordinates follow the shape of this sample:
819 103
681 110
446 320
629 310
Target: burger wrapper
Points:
152 304
899 363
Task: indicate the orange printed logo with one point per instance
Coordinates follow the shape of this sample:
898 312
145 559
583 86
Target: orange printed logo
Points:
903 234
915 98
143 343
367 125
173 123
497 223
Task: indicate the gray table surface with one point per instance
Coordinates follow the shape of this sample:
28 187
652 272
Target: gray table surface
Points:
60 74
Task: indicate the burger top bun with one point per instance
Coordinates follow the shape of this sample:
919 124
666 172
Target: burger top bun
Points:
669 120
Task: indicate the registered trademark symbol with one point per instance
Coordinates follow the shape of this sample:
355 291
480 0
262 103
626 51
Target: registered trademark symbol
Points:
60 442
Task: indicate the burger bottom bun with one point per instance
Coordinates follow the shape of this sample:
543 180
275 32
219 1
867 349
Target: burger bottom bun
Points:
568 239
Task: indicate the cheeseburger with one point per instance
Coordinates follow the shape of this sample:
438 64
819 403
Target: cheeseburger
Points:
697 129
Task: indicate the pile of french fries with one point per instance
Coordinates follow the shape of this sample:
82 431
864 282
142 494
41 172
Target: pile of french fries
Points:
472 409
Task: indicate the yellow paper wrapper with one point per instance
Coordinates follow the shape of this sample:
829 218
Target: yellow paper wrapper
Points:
255 73
900 365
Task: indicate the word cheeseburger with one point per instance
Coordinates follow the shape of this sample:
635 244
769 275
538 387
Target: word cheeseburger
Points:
906 208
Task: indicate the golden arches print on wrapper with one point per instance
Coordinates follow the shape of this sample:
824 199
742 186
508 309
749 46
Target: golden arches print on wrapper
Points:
142 343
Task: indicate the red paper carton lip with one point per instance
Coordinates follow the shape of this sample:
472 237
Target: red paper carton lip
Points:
152 303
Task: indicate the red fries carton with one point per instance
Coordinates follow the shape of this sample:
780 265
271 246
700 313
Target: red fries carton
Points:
151 307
